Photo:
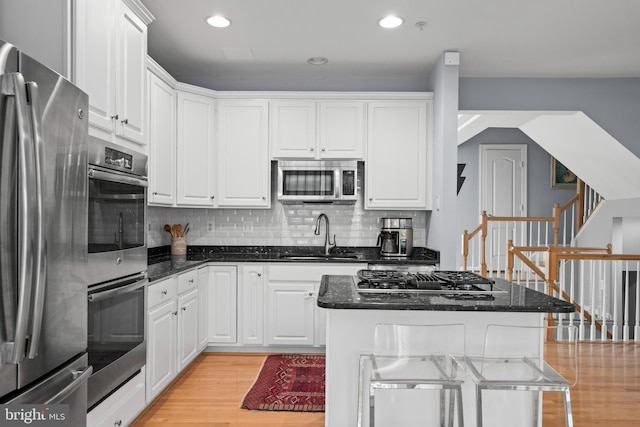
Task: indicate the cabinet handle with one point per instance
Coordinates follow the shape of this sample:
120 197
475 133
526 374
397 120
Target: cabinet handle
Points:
213 197
164 292
370 199
323 149
114 117
259 274
311 149
118 423
184 308
264 198
155 193
190 280
175 313
125 121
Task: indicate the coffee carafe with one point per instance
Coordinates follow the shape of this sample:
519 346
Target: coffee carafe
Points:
396 237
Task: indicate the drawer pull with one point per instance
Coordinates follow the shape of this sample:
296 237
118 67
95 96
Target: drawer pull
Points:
118 423
164 292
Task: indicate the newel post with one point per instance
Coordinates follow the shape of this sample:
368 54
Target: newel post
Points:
483 248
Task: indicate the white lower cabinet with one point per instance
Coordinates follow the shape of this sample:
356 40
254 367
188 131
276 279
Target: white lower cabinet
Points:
122 407
292 316
252 303
172 329
203 307
222 323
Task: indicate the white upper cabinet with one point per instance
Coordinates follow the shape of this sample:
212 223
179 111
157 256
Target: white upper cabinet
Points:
398 149
111 52
242 155
341 133
162 142
303 129
195 150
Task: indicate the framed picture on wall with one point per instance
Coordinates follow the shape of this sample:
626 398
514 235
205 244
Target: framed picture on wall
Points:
561 177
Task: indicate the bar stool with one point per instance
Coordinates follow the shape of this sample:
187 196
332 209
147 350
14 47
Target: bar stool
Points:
415 357
512 361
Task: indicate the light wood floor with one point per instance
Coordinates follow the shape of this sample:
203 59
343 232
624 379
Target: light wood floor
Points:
211 389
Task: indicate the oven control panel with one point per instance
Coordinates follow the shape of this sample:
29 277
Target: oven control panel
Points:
118 158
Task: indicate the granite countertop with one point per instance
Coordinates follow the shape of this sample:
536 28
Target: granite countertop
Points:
339 292
162 264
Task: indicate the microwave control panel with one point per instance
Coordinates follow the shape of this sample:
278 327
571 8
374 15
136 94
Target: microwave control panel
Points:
348 182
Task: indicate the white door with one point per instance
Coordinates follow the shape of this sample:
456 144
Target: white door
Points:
503 193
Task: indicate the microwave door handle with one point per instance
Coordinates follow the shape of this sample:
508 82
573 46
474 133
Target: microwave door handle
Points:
40 261
99 296
118 178
13 85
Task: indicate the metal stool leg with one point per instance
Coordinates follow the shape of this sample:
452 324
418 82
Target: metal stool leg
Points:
479 406
535 407
568 415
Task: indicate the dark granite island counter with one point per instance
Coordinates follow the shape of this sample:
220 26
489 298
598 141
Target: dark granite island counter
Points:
351 318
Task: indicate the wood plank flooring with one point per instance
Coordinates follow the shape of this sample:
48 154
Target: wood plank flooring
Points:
211 389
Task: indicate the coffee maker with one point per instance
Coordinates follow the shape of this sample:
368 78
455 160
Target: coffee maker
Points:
396 237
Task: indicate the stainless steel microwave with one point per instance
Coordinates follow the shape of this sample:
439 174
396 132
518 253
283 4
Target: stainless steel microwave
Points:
318 181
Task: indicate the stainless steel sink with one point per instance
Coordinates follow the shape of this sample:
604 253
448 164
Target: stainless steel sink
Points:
306 257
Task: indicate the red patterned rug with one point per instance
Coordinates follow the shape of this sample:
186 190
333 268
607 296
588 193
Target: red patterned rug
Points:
289 382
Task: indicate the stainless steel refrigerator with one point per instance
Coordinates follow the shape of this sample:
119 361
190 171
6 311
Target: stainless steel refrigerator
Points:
43 237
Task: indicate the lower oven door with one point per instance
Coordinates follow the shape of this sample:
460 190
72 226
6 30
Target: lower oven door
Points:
116 344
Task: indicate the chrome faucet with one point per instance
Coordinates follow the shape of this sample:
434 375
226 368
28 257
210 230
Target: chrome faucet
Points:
327 240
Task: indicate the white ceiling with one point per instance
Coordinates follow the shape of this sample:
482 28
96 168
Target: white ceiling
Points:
495 38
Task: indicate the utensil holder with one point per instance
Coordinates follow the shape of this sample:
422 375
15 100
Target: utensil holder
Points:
179 246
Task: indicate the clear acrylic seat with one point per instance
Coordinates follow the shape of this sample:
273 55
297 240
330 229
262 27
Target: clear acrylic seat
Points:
512 361
423 357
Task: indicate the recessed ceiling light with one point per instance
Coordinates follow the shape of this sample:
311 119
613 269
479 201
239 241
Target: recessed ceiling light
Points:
390 22
218 21
317 60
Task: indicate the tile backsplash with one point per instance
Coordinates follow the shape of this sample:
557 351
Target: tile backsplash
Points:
282 225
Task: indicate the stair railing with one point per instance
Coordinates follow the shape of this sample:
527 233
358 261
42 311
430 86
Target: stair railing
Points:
604 287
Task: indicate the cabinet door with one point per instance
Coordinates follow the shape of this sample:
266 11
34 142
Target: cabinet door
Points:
162 142
244 173
396 172
161 347
195 182
203 307
222 323
290 313
341 133
293 129
187 328
252 288
131 76
95 49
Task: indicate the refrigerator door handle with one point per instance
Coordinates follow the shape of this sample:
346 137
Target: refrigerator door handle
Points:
12 84
79 377
40 261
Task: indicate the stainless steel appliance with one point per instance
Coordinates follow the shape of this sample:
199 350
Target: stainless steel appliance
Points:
43 236
117 262
117 211
396 237
317 181
450 284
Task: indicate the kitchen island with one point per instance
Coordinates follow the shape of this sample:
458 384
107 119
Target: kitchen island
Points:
352 316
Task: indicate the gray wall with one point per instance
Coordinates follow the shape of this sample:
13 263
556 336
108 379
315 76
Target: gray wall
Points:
40 29
612 103
442 235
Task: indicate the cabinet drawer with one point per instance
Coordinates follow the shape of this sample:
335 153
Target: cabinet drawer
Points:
122 406
187 281
162 291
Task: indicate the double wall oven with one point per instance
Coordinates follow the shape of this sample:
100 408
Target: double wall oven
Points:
117 266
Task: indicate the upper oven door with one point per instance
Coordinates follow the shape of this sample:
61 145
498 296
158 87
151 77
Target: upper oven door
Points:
117 231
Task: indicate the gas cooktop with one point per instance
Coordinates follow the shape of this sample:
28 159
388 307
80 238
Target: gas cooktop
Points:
452 284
